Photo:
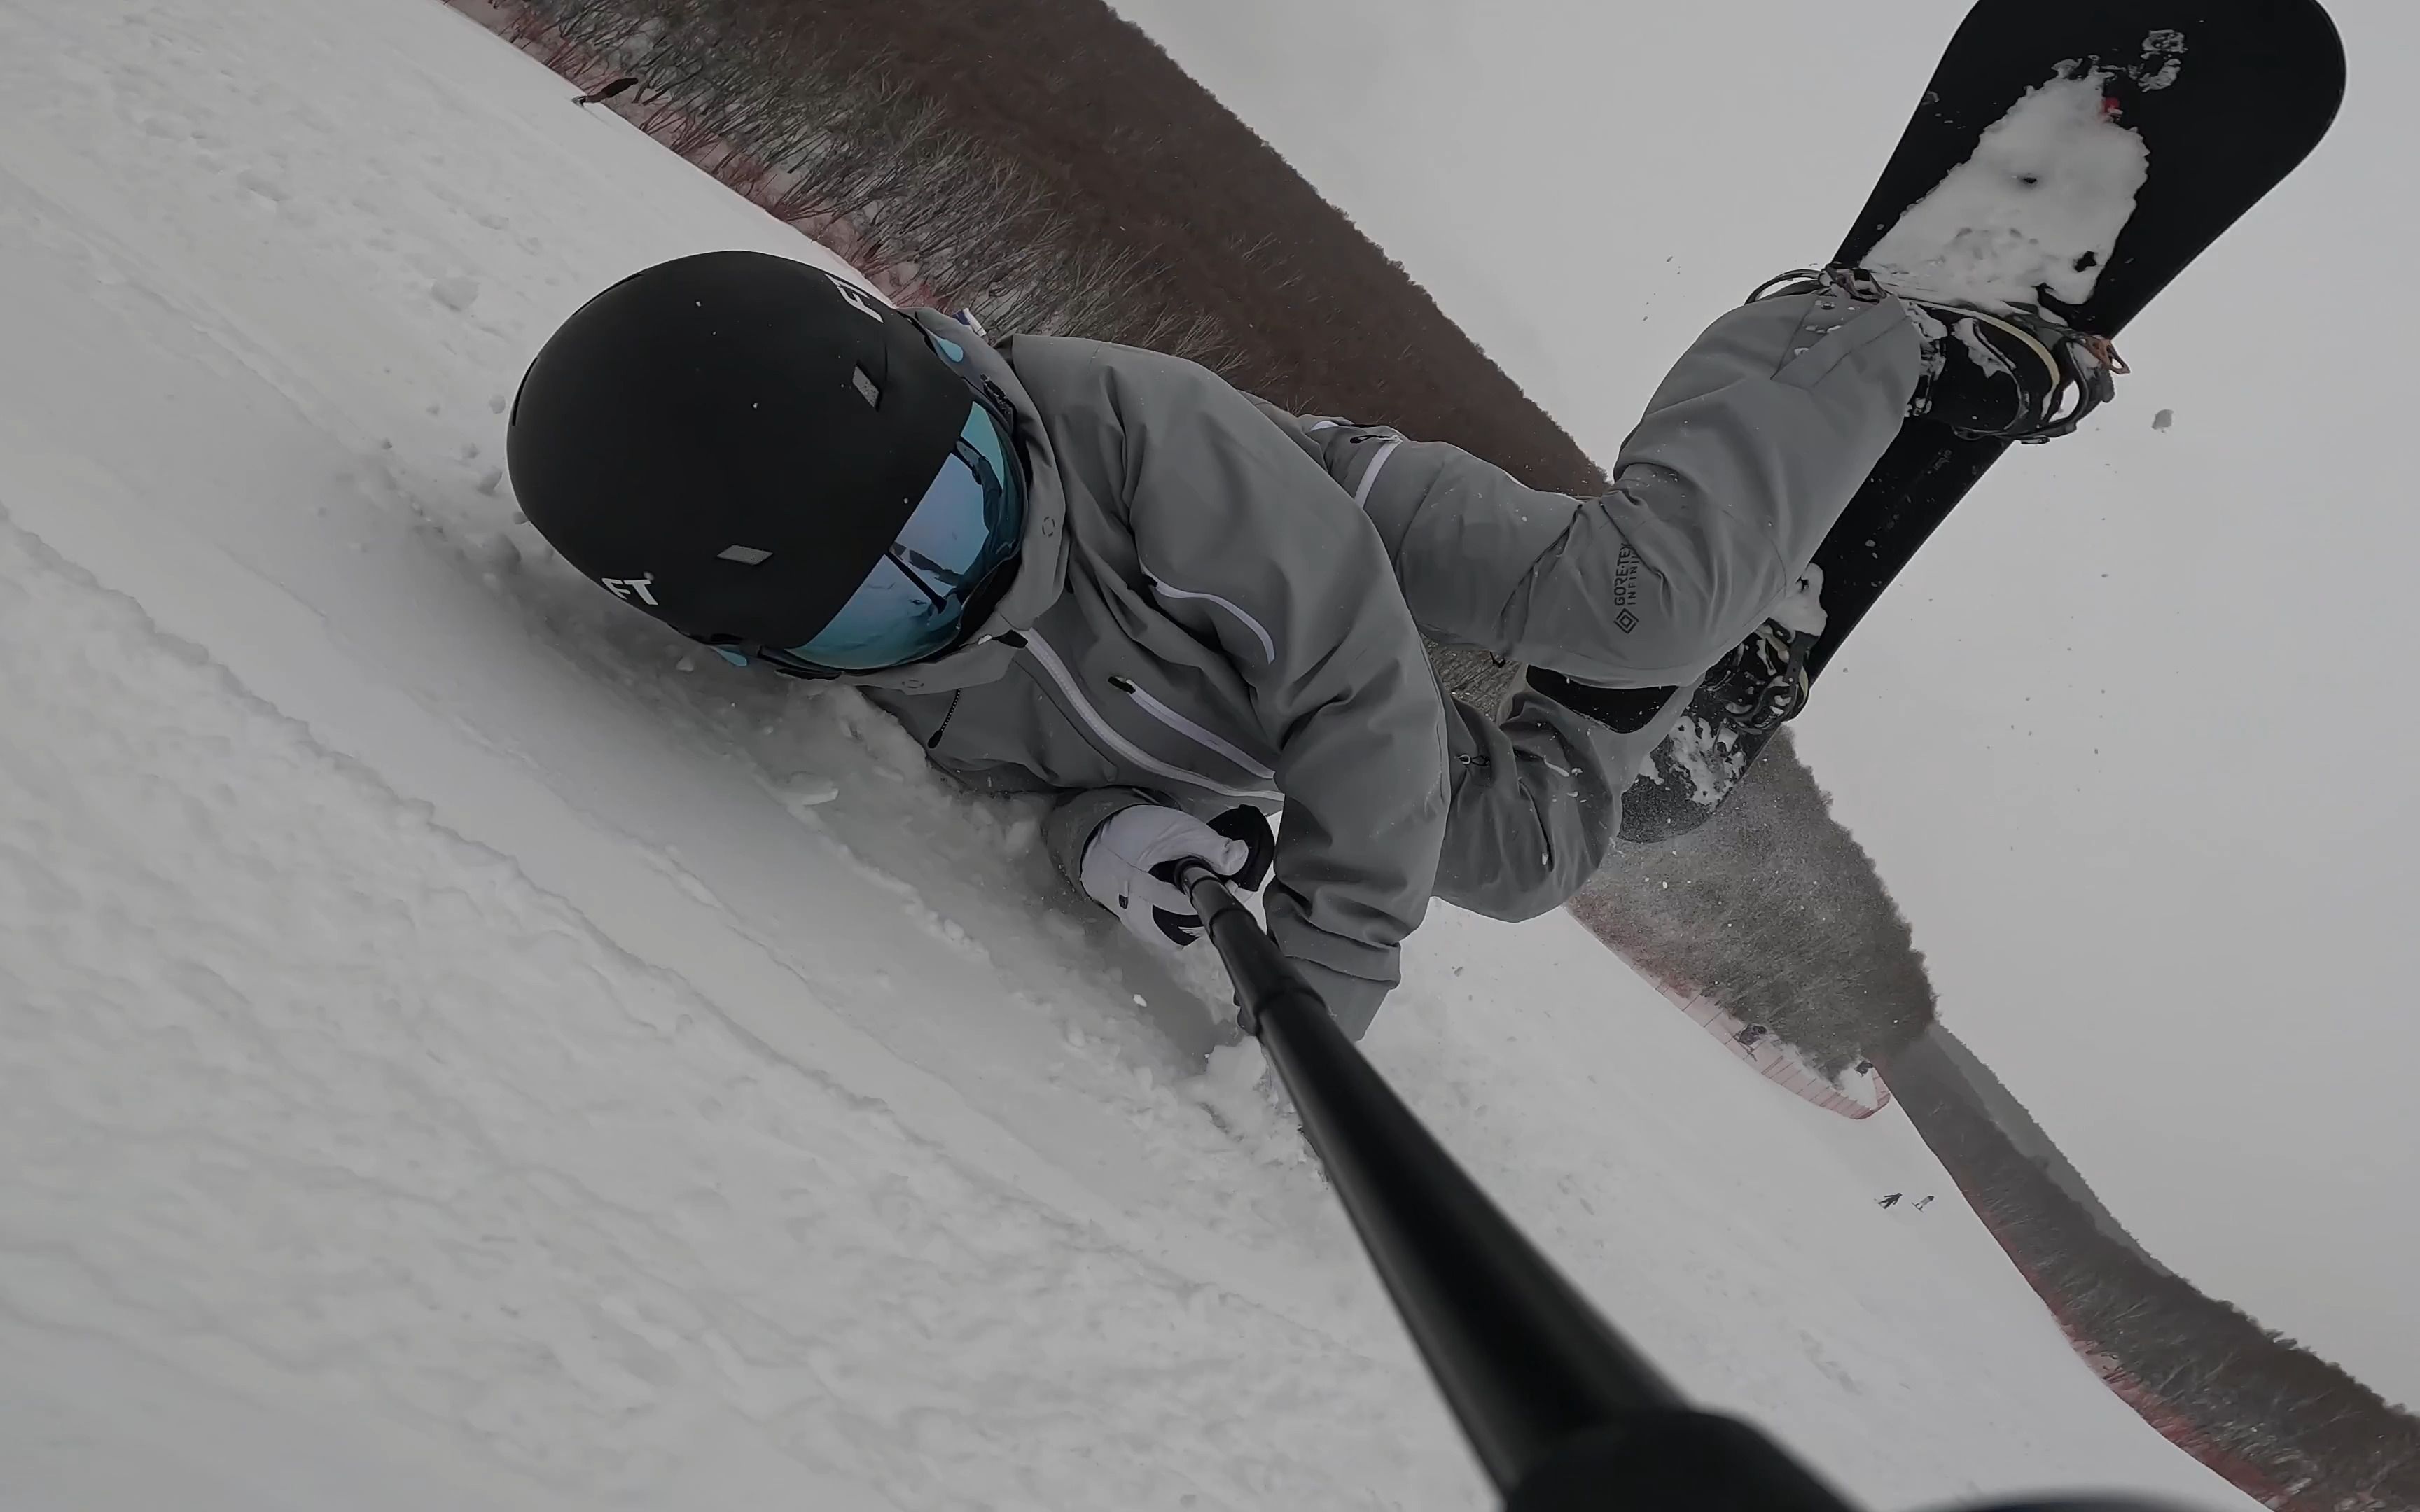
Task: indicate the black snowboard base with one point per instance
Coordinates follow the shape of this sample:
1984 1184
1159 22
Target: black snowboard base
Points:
2227 95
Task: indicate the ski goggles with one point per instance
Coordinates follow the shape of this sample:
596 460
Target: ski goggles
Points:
939 573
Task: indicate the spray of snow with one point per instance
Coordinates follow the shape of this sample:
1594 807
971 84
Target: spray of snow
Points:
2036 209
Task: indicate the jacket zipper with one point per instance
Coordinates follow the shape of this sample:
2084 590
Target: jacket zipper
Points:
1207 739
1049 658
1260 631
947 714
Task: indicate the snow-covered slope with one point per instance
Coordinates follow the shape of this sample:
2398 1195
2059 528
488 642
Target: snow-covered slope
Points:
456 1048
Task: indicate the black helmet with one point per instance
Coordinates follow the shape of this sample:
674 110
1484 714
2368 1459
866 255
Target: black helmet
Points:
735 442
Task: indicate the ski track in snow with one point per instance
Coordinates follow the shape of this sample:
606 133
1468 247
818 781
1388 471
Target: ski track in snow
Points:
457 1047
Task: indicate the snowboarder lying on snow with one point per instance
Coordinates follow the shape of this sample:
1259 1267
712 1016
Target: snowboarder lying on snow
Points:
1098 571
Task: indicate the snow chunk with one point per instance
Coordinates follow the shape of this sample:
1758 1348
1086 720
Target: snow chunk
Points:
2037 207
1708 756
2163 59
456 294
1238 1090
803 791
1019 836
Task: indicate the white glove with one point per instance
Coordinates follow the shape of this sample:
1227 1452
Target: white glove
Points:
1130 866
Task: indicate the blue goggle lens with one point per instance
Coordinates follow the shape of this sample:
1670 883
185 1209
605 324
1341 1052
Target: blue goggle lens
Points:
914 604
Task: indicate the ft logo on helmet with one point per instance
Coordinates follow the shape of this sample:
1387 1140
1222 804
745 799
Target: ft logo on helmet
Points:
630 589
860 301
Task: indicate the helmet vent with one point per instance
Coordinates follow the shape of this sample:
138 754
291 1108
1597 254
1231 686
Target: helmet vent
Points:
866 388
747 556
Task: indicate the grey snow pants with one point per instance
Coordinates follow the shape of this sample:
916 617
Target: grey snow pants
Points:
1748 453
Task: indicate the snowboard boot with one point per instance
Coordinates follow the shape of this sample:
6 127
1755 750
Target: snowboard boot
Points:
1763 682
1626 711
2014 375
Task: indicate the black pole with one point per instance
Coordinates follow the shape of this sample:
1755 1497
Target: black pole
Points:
1561 1412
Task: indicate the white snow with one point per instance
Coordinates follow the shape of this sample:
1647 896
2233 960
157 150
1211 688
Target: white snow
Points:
449 1056
1801 611
456 294
2039 206
2162 58
1708 756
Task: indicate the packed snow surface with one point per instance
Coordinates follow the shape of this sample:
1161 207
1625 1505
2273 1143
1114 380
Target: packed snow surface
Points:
460 1049
2037 207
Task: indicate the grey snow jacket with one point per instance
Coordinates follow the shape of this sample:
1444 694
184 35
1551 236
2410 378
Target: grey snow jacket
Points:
1219 602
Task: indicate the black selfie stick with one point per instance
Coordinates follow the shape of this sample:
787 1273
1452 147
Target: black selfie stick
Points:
1562 1412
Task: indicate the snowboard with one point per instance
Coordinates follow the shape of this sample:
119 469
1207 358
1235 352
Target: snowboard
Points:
1996 183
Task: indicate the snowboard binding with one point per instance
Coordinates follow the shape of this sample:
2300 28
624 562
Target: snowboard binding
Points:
2219 128
2013 374
1764 681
